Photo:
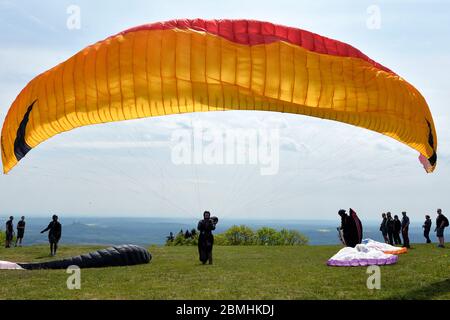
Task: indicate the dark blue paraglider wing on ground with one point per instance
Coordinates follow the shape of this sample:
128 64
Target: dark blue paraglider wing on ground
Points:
125 255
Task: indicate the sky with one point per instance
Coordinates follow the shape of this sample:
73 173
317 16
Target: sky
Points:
127 169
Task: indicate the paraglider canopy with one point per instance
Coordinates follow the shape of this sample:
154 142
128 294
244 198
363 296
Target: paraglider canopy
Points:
200 65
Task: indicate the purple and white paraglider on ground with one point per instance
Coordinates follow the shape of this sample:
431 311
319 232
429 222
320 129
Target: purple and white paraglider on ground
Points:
361 255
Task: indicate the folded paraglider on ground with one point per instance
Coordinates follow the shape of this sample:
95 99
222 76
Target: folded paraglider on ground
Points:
369 252
125 255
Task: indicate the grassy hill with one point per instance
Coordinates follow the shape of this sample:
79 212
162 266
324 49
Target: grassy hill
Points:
255 272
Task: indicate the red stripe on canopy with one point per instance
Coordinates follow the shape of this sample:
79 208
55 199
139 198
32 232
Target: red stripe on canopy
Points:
252 32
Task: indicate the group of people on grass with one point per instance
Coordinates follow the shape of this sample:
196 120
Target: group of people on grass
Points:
351 229
54 233
391 228
205 238
9 233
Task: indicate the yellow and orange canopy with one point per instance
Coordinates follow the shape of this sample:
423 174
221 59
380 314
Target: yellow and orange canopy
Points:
210 65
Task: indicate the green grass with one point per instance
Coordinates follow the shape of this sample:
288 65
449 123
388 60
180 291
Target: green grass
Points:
254 272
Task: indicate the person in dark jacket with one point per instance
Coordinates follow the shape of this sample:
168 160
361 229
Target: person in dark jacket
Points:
344 229
390 228
383 227
351 228
441 224
20 231
426 228
9 232
405 230
54 234
206 238
397 230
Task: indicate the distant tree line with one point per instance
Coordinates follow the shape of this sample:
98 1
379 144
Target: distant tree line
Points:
183 238
242 236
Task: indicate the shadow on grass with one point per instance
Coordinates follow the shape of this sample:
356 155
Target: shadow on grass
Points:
427 292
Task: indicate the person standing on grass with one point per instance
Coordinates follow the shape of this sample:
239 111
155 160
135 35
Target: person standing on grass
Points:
9 232
351 228
383 228
405 230
20 231
206 238
441 224
344 229
390 228
397 230
426 228
54 234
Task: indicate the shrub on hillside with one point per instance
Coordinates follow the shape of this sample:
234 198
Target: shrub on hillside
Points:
292 238
221 240
268 237
239 235
244 236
